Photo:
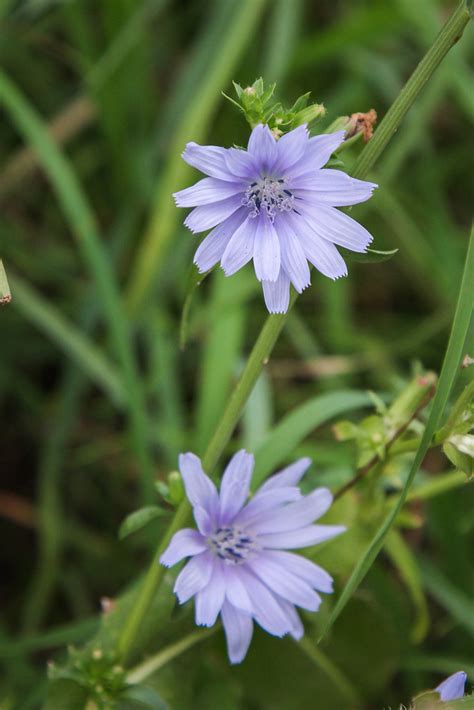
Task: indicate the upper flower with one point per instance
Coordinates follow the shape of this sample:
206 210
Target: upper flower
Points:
238 567
275 203
453 687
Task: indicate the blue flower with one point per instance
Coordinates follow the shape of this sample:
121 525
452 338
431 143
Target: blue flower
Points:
239 566
276 204
453 687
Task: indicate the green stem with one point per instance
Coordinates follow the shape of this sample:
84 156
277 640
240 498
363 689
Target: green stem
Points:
257 359
275 323
160 659
447 37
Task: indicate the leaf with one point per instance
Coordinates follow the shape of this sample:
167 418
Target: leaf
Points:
138 519
65 694
141 696
457 603
371 256
70 339
403 559
5 293
450 369
294 427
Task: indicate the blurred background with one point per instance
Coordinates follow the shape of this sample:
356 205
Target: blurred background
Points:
99 99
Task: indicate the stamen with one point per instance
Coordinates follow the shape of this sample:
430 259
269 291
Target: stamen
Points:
231 545
270 195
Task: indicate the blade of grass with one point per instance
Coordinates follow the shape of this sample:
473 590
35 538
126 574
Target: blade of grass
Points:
69 338
456 603
447 377
82 223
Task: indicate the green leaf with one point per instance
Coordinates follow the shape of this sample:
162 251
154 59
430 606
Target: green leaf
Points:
450 369
69 338
371 256
140 696
404 560
457 603
138 519
5 293
65 694
294 427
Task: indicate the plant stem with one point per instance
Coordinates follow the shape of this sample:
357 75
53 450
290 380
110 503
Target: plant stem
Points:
165 655
274 324
447 37
257 359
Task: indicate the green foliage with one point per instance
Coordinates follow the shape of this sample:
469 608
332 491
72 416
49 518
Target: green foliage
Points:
257 104
100 99
138 519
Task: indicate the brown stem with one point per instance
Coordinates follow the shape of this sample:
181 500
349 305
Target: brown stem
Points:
375 459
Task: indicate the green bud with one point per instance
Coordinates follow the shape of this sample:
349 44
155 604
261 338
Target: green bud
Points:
175 488
309 115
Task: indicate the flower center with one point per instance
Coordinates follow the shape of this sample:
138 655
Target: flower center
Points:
268 194
232 545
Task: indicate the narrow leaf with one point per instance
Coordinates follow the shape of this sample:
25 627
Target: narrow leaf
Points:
292 429
138 519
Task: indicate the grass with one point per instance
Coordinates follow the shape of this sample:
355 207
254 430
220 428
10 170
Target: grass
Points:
97 399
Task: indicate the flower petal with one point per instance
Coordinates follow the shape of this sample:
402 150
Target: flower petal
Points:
210 599
240 248
203 520
302 537
194 576
266 255
282 582
295 515
207 216
266 500
184 543
262 146
293 258
289 476
236 592
290 148
212 247
277 293
321 253
453 687
209 159
238 628
336 227
241 164
206 191
235 485
318 151
332 187
297 628
200 490
315 575
267 611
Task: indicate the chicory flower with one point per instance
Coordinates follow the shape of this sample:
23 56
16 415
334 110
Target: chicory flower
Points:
274 203
239 563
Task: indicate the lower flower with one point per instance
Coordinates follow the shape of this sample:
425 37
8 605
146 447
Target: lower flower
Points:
240 566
